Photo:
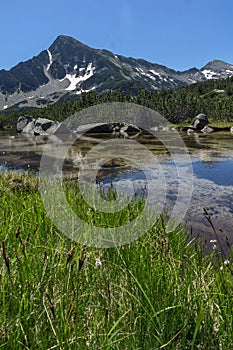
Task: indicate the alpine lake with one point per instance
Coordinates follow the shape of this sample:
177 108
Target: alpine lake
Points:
206 181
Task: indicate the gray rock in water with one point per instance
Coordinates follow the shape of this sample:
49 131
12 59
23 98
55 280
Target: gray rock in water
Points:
207 129
200 121
108 128
23 121
41 126
87 128
29 128
190 131
129 128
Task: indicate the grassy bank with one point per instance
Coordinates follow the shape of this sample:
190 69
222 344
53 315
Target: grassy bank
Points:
215 123
158 292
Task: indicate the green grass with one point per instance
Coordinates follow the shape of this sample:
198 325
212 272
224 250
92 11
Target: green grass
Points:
221 124
158 292
215 123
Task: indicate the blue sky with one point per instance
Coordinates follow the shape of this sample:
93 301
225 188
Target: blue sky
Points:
179 34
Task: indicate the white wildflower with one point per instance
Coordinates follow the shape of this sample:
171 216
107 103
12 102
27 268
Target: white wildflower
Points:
213 241
98 263
226 263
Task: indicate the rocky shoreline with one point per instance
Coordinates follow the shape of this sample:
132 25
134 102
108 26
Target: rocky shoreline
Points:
45 127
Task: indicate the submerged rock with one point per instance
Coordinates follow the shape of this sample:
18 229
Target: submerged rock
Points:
190 131
117 129
207 129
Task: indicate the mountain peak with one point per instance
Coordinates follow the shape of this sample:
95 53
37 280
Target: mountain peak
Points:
69 68
64 37
65 40
217 65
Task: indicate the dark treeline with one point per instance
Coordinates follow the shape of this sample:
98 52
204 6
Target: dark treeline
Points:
212 97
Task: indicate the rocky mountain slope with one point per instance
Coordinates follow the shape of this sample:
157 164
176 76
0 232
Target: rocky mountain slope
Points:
69 68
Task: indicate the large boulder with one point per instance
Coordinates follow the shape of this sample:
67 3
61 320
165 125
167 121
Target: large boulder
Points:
29 128
200 121
23 121
42 126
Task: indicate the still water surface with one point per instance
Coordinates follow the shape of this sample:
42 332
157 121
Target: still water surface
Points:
211 178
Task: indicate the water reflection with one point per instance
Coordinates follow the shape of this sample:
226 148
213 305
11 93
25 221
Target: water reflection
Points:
212 159
218 171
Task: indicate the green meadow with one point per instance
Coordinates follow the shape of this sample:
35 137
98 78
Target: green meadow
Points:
159 292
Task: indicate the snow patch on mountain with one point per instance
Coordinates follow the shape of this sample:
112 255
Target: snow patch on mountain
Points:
84 91
209 74
146 74
156 73
50 60
75 80
149 76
